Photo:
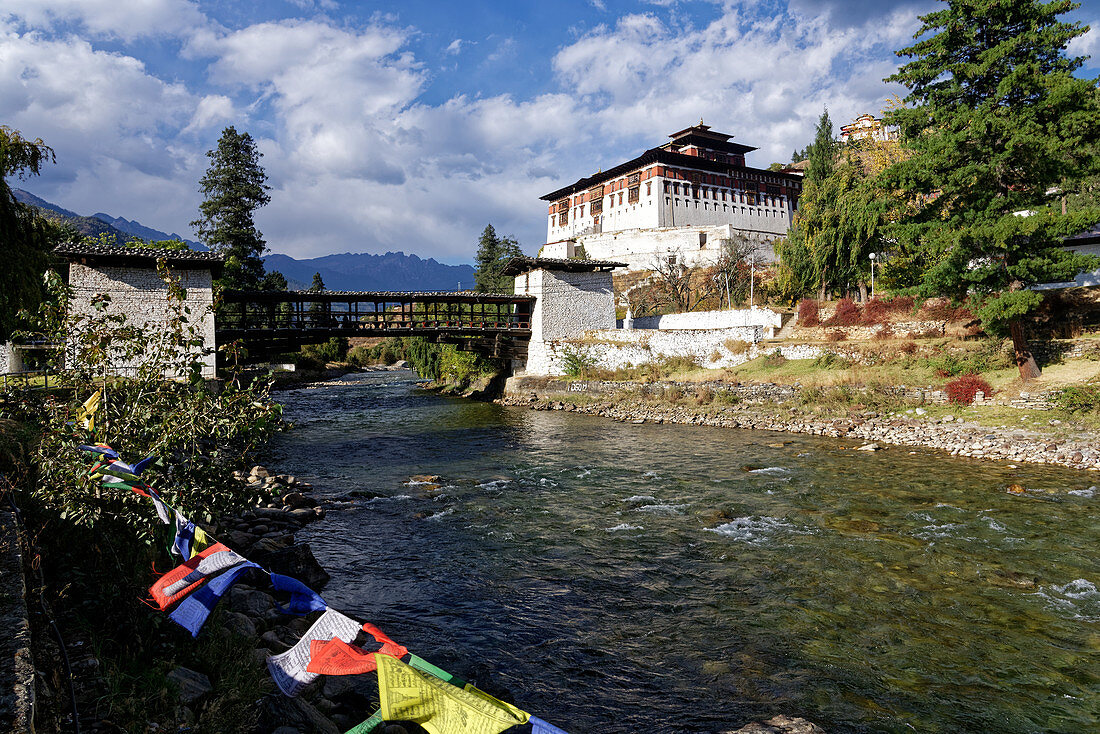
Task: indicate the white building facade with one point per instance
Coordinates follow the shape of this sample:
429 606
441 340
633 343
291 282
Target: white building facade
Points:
680 199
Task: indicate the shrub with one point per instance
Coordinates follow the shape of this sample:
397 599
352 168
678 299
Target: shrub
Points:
1078 399
884 333
577 362
909 347
736 346
942 309
727 397
831 361
962 390
847 314
808 314
774 359
704 396
902 304
836 335
875 311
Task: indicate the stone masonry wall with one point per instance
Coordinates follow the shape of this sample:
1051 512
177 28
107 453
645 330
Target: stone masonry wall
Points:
567 305
765 317
142 296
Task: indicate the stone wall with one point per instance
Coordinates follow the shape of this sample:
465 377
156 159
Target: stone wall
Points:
16 662
765 317
10 358
567 305
142 297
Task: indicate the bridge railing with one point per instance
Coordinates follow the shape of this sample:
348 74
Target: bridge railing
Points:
241 312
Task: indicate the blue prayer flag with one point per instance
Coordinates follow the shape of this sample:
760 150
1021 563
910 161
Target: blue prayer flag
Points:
303 599
193 611
185 536
541 727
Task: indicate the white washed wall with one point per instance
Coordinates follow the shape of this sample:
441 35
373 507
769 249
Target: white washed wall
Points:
764 317
142 297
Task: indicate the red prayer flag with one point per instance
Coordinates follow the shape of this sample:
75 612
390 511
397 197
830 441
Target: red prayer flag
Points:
336 657
186 577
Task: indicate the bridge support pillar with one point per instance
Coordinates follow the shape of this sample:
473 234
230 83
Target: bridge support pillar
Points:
572 297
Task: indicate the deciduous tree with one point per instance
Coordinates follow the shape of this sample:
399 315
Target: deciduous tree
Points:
996 122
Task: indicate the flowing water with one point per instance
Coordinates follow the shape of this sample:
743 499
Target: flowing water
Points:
615 577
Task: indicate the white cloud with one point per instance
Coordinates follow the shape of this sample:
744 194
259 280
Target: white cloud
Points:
455 47
212 110
110 18
1087 44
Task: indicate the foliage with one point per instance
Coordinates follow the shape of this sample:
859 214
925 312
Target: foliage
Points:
773 359
160 407
333 350
830 361
577 362
318 284
233 188
962 390
27 237
991 356
996 121
847 313
493 253
461 367
809 314
1078 399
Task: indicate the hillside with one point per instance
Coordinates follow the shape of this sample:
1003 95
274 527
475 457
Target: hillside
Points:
393 271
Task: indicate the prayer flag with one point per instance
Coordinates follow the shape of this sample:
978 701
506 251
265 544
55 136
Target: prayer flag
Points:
100 448
337 657
367 726
541 727
193 611
409 695
202 541
185 577
87 412
185 536
288 669
424 666
303 599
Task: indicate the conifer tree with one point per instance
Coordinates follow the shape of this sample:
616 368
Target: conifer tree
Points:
234 187
492 254
996 122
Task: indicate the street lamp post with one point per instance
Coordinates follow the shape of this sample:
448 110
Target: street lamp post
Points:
872 256
752 276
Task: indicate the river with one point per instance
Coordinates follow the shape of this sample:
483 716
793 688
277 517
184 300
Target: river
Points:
613 577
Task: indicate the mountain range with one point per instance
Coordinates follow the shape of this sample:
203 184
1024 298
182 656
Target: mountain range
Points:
393 271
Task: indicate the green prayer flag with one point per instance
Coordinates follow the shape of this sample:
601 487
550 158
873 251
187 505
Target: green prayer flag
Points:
367 726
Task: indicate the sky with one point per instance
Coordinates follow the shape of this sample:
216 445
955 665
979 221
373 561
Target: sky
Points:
408 126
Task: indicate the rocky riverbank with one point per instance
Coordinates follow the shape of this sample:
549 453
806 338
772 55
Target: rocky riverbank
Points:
873 429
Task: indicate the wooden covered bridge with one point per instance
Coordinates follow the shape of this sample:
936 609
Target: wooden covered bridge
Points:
272 322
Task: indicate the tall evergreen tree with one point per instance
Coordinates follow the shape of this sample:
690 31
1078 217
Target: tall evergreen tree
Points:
318 284
996 123
492 253
234 187
25 237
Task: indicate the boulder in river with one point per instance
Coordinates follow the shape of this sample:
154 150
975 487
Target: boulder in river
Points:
781 725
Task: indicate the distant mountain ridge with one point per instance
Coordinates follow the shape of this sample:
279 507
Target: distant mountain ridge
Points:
118 227
393 271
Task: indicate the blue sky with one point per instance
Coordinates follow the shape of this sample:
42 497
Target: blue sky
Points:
409 126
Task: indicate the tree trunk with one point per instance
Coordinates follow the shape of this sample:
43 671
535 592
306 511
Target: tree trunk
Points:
1025 360
863 293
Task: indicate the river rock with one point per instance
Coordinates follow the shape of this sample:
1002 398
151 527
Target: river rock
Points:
296 561
781 725
259 472
192 684
239 624
251 602
304 515
278 710
296 500
869 447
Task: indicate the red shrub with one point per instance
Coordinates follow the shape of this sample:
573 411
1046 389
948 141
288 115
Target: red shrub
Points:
962 390
808 312
836 335
902 304
875 311
908 348
846 314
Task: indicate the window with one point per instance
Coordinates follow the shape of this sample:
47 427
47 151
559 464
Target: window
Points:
702 240
668 187
632 195
620 198
632 179
596 206
648 188
563 219
582 210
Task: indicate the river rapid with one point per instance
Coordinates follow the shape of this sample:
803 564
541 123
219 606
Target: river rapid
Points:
614 577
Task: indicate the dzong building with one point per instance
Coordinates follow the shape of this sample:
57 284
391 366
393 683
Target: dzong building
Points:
677 202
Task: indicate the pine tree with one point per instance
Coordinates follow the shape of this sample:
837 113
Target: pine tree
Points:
234 187
318 284
492 254
996 122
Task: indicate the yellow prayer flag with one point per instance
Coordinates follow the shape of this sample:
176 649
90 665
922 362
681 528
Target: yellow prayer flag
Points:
200 542
86 413
408 695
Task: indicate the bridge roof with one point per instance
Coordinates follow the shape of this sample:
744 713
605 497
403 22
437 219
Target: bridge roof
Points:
138 256
524 264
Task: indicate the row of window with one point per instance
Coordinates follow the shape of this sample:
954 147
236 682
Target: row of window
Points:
736 197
